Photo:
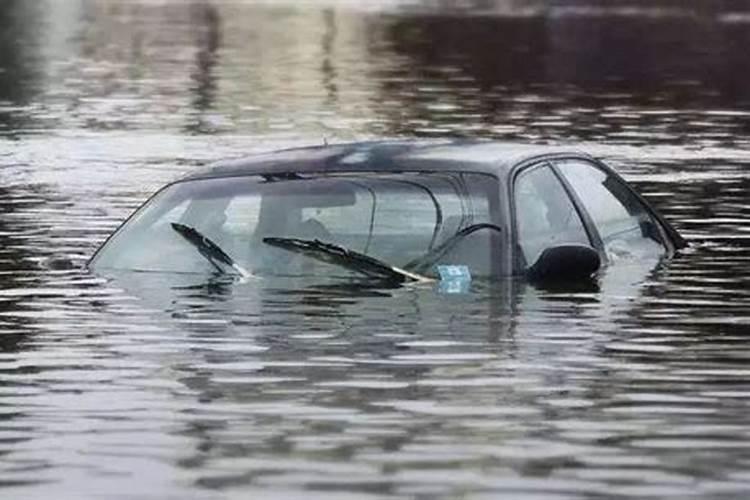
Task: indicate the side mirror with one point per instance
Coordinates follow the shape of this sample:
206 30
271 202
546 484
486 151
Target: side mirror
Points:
565 262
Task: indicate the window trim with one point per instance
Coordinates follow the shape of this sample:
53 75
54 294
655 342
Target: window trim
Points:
519 260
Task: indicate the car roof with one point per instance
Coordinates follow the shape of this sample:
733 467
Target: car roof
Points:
388 156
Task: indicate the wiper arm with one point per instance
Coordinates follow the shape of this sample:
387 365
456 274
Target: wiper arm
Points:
437 253
344 257
207 248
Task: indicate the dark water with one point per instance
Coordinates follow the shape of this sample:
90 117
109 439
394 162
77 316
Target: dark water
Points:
135 388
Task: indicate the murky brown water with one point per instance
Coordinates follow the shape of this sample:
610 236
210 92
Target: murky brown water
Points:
135 388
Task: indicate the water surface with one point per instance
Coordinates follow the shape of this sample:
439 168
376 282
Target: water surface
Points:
142 387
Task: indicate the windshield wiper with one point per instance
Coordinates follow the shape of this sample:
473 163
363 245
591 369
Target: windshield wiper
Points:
210 250
344 257
437 253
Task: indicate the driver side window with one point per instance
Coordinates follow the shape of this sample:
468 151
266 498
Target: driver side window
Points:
545 214
626 228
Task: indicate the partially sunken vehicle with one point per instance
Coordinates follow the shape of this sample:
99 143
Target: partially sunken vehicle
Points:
397 212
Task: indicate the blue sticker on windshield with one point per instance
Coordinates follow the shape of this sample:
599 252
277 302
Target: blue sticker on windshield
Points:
454 278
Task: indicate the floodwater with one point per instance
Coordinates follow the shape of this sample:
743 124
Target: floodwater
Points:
137 388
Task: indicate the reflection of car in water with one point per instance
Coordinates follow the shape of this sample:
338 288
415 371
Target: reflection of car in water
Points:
394 211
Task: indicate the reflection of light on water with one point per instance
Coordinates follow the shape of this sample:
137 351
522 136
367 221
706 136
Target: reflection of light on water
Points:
618 11
495 7
358 5
514 8
62 19
213 386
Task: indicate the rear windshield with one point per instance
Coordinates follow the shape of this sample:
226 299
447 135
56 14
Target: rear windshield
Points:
396 218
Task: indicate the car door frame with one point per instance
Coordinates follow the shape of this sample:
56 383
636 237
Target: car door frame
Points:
671 239
519 264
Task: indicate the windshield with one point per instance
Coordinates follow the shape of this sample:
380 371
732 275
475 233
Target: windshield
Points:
395 218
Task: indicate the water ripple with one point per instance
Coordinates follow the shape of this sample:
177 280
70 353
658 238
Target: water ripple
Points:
189 389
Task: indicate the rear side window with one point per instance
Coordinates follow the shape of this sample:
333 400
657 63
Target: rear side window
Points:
545 214
624 224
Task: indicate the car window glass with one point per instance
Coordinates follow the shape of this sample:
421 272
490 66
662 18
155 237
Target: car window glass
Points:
393 217
388 213
348 225
545 214
242 215
403 213
624 224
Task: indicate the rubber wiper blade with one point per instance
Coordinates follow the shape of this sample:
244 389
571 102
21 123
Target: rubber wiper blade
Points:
343 257
207 248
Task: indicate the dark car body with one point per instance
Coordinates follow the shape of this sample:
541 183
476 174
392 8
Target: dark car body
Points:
529 185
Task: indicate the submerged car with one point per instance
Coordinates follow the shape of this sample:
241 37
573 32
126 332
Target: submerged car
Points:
394 211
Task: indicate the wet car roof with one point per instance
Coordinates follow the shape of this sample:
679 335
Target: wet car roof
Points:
388 156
